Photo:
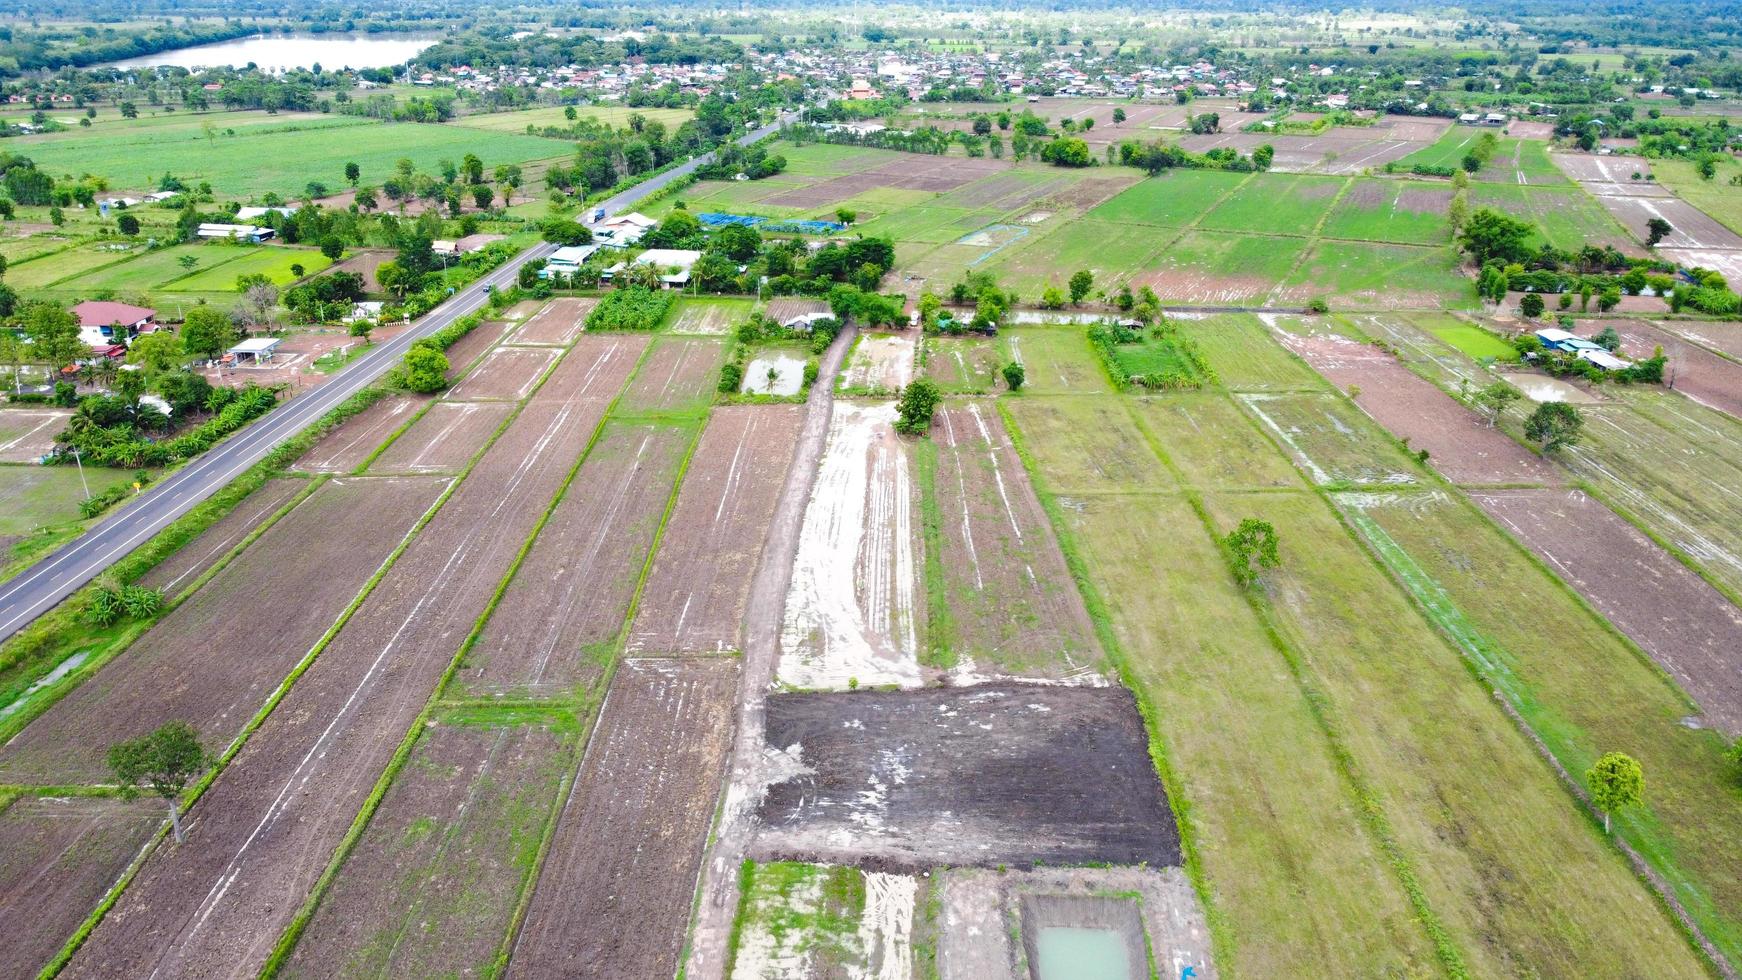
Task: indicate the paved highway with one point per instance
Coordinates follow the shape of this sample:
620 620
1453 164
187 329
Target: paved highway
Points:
43 585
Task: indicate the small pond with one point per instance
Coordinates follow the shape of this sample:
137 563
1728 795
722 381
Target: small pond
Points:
1078 953
774 373
1539 388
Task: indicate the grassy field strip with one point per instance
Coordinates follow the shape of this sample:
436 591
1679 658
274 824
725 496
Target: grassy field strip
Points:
46 698
1595 691
287 941
1248 838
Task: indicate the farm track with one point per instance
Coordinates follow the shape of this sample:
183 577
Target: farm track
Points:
264 611
268 825
749 772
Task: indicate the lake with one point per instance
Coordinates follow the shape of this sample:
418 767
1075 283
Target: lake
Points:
280 52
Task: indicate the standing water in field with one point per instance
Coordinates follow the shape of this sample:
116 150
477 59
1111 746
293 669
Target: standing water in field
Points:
1075 953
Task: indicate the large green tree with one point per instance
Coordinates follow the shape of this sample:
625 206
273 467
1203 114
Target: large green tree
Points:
163 761
54 334
207 332
1489 234
1553 425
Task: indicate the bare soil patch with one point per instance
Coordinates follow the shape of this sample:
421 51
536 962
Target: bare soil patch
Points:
346 447
596 367
1727 261
1081 195
468 348
1692 228
505 373
989 775
443 439
694 598
559 323
559 621
1590 168
1696 372
214 660
786 307
1459 444
615 895
853 610
267 827
1687 626
58 856
910 172
180 569
430 888
881 361
1013 606
1413 128
983 913
712 319
1724 336
679 376
27 434
1187 285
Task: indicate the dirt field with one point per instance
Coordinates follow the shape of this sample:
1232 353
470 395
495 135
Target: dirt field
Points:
881 362
180 569
909 172
468 348
989 775
615 894
1013 606
169 673
346 447
429 889
560 619
1724 337
1687 626
58 856
1459 444
365 262
853 611
981 912
1727 262
27 434
504 373
786 307
596 367
711 319
694 598
1590 168
1693 228
443 439
679 376
1713 381
559 323
268 825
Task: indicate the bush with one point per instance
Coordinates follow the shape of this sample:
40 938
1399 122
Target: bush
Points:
426 368
1014 376
731 377
631 308
914 409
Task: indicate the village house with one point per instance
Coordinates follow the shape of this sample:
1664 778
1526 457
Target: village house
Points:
103 324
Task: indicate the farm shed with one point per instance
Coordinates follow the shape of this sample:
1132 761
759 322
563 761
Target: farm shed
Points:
257 349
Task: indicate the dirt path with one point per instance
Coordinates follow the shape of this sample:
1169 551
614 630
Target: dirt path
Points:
751 769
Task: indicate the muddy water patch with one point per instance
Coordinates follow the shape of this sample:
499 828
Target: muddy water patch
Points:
774 374
1542 389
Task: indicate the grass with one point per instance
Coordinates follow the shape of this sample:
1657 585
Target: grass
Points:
1565 217
790 911
1056 360
1465 336
1328 440
1175 199
277 158
1084 445
1112 251
32 496
1245 357
48 269
1405 212
273 262
1276 204
1447 151
1586 693
962 365
1715 197
1212 446
615 116
1364 276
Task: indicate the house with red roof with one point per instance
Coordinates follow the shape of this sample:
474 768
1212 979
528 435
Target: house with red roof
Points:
104 324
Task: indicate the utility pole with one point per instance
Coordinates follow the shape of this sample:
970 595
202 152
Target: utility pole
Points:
81 465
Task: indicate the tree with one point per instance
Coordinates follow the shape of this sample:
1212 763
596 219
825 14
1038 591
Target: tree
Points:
1014 375
1494 399
157 352
361 329
1609 339
53 334
566 231
1531 305
1488 234
1553 425
1052 298
1616 783
1250 547
332 246
365 199
1081 282
12 355
426 369
1118 116
207 332
1657 230
353 173
1263 156
127 224
914 409
846 215
1067 151
163 761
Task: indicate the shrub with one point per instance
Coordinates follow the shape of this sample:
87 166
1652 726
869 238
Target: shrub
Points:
426 368
914 409
1014 376
631 308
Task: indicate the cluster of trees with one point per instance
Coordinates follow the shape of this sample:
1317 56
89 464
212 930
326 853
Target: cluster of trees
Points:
499 45
1159 155
604 156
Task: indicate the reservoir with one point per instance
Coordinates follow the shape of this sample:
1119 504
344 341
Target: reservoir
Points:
281 52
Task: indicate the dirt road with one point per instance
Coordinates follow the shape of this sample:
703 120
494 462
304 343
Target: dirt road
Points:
750 771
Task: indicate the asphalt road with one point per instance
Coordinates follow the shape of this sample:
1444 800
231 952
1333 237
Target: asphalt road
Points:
40 587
